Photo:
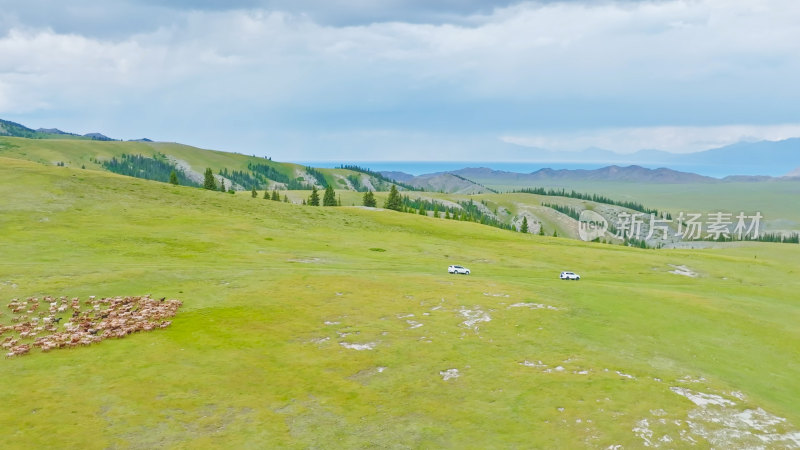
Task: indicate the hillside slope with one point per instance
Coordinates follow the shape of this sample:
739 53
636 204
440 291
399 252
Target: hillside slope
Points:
252 171
319 327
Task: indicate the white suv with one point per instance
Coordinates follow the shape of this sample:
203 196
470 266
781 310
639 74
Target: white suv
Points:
570 276
458 270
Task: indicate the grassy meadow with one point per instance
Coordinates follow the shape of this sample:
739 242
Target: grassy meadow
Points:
336 328
776 200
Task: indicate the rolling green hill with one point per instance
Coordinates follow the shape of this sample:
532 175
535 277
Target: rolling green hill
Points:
91 155
773 199
340 327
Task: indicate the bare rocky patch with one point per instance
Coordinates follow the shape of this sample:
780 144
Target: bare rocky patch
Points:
306 260
683 270
719 420
473 317
412 324
309 179
565 367
184 166
533 306
359 347
365 375
449 374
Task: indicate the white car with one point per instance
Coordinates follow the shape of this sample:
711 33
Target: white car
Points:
458 270
570 276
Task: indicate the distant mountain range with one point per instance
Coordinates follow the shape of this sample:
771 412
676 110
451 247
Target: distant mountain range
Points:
472 180
8 128
752 158
787 150
610 173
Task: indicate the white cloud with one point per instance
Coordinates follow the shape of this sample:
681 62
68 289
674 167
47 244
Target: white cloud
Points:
622 67
685 139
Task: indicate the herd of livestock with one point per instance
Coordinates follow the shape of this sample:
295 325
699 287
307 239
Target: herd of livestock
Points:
52 323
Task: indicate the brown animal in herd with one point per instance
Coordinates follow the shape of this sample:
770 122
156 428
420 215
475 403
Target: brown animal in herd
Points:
105 318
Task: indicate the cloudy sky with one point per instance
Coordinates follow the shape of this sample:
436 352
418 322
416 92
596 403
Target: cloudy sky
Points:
316 80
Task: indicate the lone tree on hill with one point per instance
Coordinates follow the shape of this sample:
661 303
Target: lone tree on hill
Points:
329 199
313 200
253 192
524 227
209 182
173 177
369 199
393 201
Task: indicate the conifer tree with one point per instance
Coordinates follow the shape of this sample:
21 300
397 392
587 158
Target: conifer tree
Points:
222 185
313 200
524 227
266 194
446 214
253 193
369 199
329 199
173 177
209 181
285 198
275 195
393 201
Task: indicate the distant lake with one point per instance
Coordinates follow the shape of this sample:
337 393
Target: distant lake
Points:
424 167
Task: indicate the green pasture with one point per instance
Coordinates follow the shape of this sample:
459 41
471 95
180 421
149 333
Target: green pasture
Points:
776 200
275 293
